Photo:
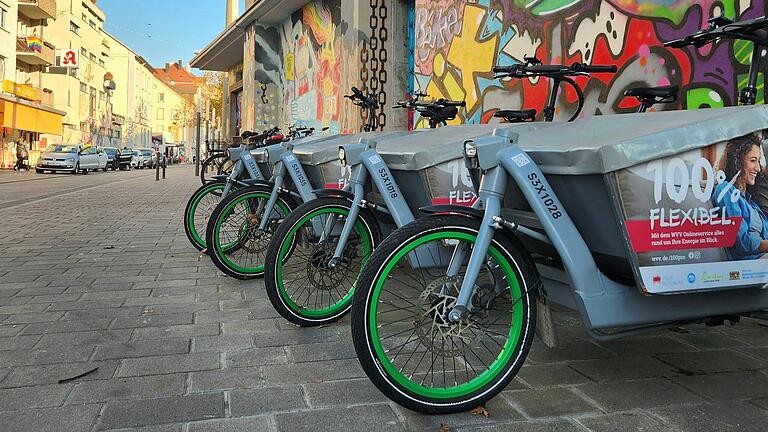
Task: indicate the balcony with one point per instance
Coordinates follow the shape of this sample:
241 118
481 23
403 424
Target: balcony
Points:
29 92
38 9
25 54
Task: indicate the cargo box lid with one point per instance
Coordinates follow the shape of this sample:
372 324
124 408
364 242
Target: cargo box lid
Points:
606 143
322 151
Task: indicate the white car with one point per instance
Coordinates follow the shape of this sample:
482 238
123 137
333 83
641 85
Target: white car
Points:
93 158
138 160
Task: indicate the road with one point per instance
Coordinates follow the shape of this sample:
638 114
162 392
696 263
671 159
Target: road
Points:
95 272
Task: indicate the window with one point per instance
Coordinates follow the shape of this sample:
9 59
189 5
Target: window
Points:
161 97
101 62
102 96
3 17
74 28
83 88
83 52
160 114
93 57
92 24
85 18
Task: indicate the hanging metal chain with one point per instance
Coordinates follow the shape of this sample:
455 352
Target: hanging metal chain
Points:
379 56
364 58
264 98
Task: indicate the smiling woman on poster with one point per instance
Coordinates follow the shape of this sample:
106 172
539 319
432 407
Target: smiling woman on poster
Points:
741 165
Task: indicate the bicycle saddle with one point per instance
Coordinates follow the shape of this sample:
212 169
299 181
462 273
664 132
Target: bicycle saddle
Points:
516 116
654 93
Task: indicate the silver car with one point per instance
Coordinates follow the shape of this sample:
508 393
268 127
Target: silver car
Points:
72 158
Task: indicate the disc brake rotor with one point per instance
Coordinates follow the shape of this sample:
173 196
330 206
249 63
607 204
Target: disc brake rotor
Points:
435 331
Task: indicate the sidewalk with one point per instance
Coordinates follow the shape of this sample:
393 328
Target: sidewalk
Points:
114 285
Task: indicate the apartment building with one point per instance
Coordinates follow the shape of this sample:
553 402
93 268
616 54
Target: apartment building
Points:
26 102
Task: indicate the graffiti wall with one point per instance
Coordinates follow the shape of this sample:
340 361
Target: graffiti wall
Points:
457 43
299 71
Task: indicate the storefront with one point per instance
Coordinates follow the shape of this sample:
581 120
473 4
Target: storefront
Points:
38 125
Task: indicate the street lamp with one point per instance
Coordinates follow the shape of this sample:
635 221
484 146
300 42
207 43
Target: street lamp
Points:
109 87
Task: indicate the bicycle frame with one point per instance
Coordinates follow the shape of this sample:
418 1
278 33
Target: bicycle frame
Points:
601 302
366 163
244 163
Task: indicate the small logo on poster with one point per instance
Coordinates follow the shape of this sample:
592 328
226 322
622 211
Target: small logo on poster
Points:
691 278
734 275
657 280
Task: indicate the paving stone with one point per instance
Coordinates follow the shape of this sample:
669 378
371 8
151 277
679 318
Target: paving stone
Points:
133 413
625 421
14 301
528 426
40 291
629 395
41 356
182 308
128 388
343 393
722 416
94 309
51 374
221 316
710 340
18 342
152 320
173 427
322 351
222 342
547 375
727 386
248 327
710 362
122 294
225 379
33 397
190 330
250 424
370 418
568 350
623 368
79 418
757 337
27 318
142 348
11 329
55 298
169 364
144 301
256 357
68 326
3 374
313 372
264 400
761 353
82 339
552 402
311 335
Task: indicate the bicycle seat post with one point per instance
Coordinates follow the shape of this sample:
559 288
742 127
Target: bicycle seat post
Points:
549 110
748 95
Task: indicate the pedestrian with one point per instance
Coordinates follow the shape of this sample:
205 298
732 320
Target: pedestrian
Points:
21 155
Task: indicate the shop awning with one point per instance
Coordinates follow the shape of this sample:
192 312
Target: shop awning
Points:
29 118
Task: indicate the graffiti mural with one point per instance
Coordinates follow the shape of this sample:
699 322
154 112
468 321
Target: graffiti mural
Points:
295 72
457 42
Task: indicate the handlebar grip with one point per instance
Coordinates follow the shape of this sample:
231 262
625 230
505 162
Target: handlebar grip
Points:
545 68
453 103
502 69
599 69
677 43
357 93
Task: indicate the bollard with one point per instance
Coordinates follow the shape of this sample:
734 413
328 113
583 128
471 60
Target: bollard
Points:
157 166
164 165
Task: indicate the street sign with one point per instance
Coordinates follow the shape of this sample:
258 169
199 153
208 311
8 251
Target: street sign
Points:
68 58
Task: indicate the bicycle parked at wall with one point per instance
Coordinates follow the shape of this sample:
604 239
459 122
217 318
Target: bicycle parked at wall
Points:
237 233
438 112
245 172
217 163
446 332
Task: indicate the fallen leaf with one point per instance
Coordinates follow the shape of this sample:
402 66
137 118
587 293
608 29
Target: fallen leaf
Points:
443 428
480 411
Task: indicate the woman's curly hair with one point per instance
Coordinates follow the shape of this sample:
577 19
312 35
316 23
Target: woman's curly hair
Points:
732 161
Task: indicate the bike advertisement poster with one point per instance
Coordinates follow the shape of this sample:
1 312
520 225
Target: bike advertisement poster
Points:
695 221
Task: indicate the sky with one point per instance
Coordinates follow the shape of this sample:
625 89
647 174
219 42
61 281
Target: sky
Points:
164 31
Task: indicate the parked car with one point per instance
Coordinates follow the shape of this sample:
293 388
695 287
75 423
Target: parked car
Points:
149 157
60 157
118 159
153 160
138 160
93 158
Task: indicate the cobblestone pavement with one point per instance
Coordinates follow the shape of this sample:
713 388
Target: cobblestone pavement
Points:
103 277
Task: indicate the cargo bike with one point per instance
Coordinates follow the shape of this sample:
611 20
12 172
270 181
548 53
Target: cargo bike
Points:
637 228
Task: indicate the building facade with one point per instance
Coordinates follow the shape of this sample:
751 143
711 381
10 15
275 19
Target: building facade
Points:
290 62
27 109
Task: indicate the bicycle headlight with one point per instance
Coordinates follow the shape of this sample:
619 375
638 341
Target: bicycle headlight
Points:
470 149
342 156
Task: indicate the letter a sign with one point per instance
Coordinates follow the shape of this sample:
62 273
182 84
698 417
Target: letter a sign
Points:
68 58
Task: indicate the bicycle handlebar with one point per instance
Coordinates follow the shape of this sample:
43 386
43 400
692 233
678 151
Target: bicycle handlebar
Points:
723 28
535 69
